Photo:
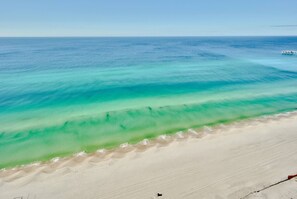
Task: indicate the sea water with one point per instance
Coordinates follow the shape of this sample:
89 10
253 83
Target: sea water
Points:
60 96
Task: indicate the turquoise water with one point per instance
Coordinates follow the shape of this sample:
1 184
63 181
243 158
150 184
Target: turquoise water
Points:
60 96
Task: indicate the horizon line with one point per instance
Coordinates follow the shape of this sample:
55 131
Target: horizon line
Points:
127 36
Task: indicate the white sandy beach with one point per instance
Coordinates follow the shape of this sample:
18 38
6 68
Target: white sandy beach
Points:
229 163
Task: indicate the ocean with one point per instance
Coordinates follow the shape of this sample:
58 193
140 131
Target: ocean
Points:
61 96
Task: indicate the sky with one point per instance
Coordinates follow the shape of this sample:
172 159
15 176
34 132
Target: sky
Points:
147 17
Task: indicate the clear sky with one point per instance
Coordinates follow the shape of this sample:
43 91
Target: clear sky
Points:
147 17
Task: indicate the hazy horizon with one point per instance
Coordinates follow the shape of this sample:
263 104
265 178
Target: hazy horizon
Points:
146 36
134 18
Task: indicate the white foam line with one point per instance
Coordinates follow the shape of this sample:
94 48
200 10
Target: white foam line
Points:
162 137
207 129
144 142
179 134
124 145
101 151
80 154
193 132
55 160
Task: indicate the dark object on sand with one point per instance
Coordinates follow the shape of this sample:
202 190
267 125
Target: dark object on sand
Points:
159 194
291 176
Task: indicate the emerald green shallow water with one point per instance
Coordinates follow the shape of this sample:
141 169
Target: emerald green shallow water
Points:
60 96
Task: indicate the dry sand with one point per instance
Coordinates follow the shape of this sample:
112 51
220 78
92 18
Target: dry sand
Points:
230 162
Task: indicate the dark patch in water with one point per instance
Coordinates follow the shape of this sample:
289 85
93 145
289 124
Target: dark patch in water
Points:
107 117
122 126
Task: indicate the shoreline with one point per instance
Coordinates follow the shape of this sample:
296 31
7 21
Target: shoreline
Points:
228 161
160 141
